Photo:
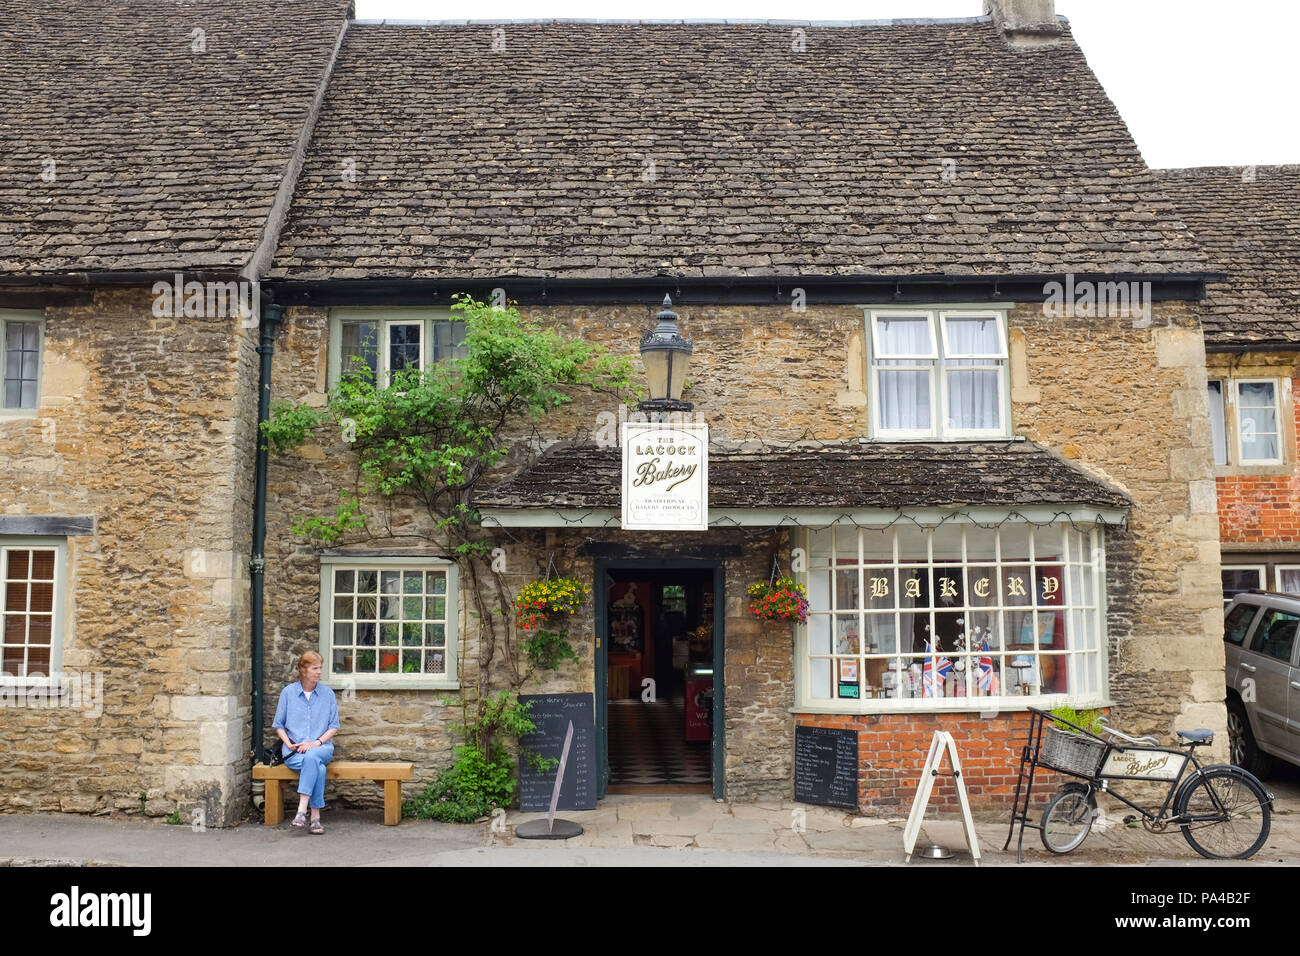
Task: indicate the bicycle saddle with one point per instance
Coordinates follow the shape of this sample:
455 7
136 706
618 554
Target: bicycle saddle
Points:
1200 736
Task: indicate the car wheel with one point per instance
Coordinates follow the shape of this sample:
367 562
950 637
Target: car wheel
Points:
1245 752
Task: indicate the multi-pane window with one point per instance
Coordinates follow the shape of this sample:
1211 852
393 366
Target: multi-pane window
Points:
20 358
29 576
390 620
938 374
931 616
1288 578
384 343
1245 421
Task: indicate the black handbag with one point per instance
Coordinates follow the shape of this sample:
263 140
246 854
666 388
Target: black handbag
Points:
273 755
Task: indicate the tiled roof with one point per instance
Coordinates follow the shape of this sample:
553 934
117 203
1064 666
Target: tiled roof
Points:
122 148
825 475
1248 221
604 150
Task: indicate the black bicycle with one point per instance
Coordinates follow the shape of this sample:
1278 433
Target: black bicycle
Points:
1224 812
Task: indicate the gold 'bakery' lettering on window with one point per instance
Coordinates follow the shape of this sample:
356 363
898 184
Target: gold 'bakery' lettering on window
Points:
912 587
879 587
1050 586
947 587
982 587
1015 586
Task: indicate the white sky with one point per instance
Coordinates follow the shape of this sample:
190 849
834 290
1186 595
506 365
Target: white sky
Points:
1199 82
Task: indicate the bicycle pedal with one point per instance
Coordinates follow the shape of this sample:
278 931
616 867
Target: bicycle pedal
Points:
1131 820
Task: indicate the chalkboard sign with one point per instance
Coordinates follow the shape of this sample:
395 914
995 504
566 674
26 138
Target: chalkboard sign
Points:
826 766
551 714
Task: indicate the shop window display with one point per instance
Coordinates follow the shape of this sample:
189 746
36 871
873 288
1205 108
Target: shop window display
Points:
930 615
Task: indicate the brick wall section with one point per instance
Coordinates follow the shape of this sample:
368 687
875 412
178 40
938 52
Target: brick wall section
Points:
1264 508
143 424
891 755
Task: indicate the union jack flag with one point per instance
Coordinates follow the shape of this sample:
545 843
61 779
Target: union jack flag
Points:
935 670
988 679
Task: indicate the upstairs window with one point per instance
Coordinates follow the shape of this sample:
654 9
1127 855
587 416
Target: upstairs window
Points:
1246 421
938 374
384 342
21 337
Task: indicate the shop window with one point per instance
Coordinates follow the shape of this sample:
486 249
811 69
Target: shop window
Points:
391 623
938 374
382 343
21 342
948 617
32 573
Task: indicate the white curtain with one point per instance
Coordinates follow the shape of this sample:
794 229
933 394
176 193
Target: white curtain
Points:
972 384
1288 580
905 391
1257 421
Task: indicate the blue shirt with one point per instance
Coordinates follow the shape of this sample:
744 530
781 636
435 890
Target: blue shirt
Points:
305 719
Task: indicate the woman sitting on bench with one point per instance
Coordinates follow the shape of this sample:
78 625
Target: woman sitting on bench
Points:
306 719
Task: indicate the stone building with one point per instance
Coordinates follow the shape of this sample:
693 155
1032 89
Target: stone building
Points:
938 303
1245 219
144 158
947 341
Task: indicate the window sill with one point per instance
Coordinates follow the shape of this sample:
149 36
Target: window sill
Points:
939 439
342 682
988 706
19 413
1265 470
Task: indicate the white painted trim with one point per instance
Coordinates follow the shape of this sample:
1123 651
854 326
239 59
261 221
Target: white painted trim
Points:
1242 460
807 517
999 318
1277 575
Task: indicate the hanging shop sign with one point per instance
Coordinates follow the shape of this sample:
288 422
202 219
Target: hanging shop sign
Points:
665 477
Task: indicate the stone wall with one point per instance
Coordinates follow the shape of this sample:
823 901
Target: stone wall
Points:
144 425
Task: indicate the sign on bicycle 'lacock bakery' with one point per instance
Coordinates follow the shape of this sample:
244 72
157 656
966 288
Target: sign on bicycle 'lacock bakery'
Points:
990 501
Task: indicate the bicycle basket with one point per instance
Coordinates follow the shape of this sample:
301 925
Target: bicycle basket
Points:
1072 753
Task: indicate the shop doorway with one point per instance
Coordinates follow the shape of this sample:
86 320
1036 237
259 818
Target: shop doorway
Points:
659 668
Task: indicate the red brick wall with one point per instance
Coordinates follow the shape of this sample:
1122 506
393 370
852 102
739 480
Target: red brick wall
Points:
892 749
1262 507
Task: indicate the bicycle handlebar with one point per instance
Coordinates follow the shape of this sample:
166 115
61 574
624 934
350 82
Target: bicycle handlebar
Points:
1150 741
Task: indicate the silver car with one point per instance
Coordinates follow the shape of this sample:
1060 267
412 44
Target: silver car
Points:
1263 677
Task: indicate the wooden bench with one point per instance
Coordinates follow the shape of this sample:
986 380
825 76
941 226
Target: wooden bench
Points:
390 774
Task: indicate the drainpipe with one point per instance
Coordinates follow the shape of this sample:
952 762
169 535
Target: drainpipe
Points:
272 316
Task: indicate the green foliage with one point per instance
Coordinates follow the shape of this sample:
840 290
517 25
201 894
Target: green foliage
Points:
482 778
174 818
289 425
1089 720
327 531
547 650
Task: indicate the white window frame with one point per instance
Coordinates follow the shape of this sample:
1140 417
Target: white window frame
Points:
60 547
937 367
23 315
1223 384
1091 649
1261 579
448 680
384 317
1277 419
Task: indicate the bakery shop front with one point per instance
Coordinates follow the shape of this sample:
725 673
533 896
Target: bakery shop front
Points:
947 587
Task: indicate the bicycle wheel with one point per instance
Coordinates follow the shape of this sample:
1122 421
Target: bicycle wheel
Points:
1229 813
1067 818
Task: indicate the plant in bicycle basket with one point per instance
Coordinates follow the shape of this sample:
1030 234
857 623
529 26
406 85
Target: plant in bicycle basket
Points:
1089 720
778 600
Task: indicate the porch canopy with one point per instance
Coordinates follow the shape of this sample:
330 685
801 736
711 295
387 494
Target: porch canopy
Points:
815 484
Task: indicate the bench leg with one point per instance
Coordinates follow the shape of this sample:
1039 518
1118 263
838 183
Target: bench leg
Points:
274 804
392 802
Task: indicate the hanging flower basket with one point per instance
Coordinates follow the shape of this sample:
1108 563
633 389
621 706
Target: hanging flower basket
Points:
538 600
778 600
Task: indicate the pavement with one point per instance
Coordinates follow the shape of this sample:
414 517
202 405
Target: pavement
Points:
622 831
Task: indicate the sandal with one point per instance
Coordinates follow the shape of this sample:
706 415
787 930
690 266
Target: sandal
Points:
300 821
316 828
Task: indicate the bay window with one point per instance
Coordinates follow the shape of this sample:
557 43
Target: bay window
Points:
952 617
938 373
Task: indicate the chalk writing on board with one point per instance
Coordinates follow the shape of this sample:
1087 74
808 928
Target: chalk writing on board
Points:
826 766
